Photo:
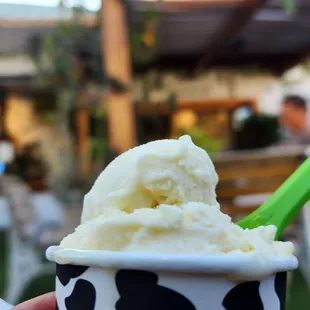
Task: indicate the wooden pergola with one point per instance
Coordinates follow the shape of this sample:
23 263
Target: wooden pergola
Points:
186 34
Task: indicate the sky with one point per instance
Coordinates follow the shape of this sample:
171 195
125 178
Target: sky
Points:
90 4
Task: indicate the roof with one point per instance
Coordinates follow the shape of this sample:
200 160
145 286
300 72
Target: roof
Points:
193 32
32 12
19 14
20 23
234 32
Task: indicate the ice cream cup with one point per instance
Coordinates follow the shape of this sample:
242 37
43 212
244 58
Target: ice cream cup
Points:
102 280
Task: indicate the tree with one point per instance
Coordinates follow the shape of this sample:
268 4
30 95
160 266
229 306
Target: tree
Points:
94 51
69 64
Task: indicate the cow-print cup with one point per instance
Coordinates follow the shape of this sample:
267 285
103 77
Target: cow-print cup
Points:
115 281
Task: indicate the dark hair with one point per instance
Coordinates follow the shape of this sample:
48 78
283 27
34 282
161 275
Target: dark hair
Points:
296 101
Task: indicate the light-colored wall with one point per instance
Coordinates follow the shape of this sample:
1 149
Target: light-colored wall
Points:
263 86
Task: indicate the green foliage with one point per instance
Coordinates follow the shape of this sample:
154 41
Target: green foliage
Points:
61 56
70 56
143 35
38 286
289 6
258 131
69 61
99 146
201 138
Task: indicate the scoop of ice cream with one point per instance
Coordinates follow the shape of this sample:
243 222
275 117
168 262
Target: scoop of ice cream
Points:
160 172
191 228
160 198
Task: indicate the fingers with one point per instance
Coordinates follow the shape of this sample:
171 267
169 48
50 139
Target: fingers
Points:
44 302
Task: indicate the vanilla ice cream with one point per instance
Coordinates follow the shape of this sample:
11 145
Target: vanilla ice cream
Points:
160 198
160 172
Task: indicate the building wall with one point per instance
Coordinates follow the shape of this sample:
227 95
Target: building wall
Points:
265 87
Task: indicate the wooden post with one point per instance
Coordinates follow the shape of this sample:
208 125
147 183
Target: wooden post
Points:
82 122
117 64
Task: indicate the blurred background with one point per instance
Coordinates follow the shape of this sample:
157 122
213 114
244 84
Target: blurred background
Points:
83 81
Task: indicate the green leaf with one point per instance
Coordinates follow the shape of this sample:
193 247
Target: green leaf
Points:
201 138
99 147
289 6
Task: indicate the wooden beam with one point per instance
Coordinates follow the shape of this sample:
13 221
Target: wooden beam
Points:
234 23
290 63
117 64
197 106
271 62
204 3
192 2
181 5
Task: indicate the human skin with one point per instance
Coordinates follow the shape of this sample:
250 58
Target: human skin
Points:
293 118
44 302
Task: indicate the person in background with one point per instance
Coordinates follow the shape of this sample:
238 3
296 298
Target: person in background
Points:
295 121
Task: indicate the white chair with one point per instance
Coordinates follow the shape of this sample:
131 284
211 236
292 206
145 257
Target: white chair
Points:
304 254
38 221
25 264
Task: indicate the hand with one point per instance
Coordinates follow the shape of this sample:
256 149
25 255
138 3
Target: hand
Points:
44 302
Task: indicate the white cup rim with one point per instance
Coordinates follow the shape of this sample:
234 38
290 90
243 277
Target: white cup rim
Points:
230 265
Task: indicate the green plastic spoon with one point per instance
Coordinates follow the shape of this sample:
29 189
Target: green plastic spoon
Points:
283 206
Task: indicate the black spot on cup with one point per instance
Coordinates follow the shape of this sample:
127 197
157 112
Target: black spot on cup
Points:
67 272
82 297
139 290
280 288
244 296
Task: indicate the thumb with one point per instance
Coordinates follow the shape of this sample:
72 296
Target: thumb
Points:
44 302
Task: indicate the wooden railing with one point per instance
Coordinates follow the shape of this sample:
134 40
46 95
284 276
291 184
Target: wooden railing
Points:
253 174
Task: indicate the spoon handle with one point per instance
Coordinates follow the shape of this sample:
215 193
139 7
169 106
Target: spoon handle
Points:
284 204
